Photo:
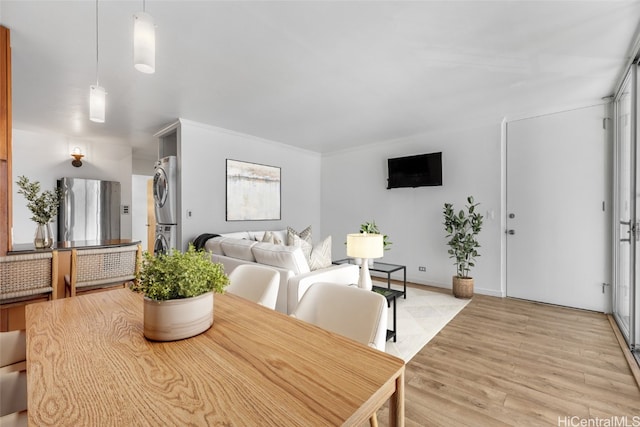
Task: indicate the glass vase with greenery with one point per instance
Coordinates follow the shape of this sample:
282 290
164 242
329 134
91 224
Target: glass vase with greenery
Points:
43 206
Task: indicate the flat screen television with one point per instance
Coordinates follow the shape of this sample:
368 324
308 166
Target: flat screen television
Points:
422 170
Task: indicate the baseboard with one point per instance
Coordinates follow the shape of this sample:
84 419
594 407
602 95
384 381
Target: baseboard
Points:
480 291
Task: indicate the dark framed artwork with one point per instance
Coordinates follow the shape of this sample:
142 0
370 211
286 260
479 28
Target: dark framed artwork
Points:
253 191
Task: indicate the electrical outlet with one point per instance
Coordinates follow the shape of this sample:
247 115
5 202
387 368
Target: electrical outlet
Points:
422 268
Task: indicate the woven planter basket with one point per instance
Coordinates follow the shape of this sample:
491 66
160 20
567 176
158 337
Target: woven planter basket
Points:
462 287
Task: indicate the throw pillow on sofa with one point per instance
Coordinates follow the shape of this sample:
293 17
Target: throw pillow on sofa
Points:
301 239
306 247
269 237
304 235
321 255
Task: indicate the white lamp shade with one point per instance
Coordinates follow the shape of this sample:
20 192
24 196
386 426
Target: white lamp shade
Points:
97 103
365 245
144 43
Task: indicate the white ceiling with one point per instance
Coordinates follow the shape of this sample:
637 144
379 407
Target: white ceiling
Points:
320 75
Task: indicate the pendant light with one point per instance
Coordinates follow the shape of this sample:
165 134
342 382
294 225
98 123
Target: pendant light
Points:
97 94
144 42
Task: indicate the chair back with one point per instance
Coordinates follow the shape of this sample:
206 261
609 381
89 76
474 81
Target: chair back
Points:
28 276
13 377
103 267
257 283
346 310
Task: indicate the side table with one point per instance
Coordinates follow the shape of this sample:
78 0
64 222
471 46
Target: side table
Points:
390 295
382 267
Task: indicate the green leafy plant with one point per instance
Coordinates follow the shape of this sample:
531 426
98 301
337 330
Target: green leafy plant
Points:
372 228
462 229
43 206
179 275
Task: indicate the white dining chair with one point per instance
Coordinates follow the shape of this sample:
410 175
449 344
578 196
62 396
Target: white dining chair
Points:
346 310
256 283
13 379
355 313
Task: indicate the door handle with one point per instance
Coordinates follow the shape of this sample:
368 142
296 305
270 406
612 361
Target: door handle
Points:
630 231
511 232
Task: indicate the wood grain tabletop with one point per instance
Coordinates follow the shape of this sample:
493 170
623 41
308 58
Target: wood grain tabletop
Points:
88 363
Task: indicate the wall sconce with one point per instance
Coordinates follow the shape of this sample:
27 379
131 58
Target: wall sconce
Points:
77 155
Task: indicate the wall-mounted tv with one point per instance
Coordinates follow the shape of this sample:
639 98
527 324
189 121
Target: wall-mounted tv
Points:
422 170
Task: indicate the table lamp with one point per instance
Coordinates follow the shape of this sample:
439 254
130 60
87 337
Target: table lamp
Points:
365 246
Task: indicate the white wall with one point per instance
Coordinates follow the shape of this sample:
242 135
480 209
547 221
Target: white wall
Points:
202 160
139 209
354 191
45 157
334 193
143 166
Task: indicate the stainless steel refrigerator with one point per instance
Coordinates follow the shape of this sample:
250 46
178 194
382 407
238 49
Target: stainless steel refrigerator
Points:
89 210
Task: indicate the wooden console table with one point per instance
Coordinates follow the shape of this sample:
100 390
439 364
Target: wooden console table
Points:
88 363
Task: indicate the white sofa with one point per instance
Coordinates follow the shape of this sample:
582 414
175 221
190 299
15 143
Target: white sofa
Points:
233 249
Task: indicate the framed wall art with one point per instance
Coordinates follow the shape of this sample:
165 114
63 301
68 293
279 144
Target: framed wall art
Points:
253 191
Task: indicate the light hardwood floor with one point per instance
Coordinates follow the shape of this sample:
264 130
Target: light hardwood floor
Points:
509 362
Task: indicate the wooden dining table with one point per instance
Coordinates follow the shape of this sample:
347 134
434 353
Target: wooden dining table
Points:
88 364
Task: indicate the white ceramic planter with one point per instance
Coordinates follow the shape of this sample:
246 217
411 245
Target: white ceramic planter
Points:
177 319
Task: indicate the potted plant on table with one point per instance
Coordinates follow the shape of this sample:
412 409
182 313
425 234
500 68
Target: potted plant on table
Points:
462 229
43 207
372 228
178 293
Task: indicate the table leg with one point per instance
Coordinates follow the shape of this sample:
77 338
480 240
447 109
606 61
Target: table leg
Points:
405 282
395 332
396 403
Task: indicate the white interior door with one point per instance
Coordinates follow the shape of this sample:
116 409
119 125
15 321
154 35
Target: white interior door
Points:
626 301
625 249
558 224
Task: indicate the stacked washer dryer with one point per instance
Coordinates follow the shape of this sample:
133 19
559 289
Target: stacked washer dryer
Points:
165 195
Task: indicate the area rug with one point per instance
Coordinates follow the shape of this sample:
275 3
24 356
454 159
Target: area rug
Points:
420 317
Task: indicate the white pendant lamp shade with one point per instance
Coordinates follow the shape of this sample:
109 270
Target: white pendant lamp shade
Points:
97 103
144 43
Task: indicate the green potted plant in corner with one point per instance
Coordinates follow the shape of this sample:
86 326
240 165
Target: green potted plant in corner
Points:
462 229
178 293
43 207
